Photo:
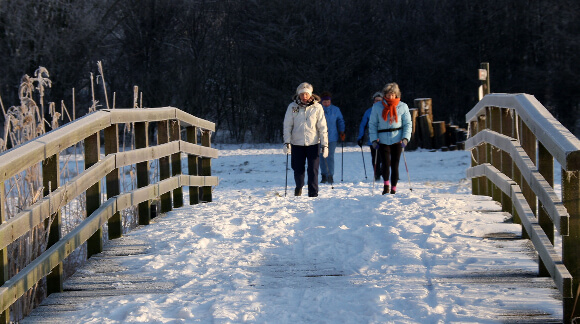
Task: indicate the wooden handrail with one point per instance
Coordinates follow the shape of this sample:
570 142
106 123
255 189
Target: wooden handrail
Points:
562 145
530 139
51 144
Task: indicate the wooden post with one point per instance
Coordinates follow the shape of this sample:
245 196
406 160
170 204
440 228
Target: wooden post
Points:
546 168
484 88
482 157
206 165
571 243
425 106
93 194
426 131
164 164
506 160
175 135
4 268
192 165
413 143
516 173
51 182
474 162
142 141
439 134
528 140
113 180
495 154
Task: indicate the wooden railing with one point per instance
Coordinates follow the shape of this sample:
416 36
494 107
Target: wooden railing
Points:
46 150
514 141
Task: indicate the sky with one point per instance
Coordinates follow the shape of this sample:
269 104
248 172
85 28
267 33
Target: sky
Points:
257 254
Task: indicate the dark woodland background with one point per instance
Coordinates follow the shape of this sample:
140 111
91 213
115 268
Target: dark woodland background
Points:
238 62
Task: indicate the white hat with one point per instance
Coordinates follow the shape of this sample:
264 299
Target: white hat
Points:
304 87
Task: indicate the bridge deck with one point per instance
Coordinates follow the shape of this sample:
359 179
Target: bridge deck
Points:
105 275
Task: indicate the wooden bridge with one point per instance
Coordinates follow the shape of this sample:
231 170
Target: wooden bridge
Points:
513 139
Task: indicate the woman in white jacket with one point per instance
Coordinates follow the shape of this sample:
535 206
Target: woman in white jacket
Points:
305 130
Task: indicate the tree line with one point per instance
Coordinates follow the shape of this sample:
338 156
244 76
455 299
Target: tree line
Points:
238 62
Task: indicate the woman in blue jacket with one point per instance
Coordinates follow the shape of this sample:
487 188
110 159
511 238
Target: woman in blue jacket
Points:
335 123
375 158
390 129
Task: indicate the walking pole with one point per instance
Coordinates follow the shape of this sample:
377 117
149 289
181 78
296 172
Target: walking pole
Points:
408 176
342 162
365 167
375 166
286 187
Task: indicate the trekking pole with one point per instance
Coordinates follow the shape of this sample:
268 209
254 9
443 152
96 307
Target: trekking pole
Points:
286 186
342 162
364 166
408 176
375 166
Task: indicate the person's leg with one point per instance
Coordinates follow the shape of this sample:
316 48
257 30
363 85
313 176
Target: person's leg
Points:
375 160
330 160
385 154
323 167
313 163
395 158
298 159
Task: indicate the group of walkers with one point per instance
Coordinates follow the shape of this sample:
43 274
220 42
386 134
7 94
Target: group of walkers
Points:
313 126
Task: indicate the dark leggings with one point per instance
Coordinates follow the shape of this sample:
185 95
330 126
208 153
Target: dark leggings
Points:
391 155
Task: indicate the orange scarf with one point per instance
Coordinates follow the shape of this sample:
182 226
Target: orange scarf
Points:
390 108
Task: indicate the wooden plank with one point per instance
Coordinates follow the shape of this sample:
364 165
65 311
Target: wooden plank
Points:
198 150
190 120
547 253
134 115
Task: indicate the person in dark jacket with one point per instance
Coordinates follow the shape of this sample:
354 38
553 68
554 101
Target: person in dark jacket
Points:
390 129
375 158
336 126
305 131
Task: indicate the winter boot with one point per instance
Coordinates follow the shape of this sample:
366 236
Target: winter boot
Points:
323 179
329 179
393 190
298 192
386 189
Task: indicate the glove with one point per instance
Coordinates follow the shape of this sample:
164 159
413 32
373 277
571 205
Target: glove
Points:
342 136
287 148
375 144
360 142
404 142
324 152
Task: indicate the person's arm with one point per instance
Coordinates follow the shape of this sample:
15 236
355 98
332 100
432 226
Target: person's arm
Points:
373 126
407 123
288 125
322 128
364 123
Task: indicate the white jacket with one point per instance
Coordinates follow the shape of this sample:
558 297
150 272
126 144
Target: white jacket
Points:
305 126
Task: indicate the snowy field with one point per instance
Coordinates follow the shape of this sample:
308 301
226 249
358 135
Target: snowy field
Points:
350 255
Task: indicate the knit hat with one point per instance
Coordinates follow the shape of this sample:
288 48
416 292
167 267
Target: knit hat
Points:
304 87
377 94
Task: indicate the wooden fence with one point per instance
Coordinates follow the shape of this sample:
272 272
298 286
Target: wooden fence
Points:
514 141
89 129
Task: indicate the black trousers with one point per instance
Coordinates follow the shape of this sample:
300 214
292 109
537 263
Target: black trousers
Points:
391 155
301 155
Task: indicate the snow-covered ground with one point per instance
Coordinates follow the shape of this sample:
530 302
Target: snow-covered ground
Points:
350 255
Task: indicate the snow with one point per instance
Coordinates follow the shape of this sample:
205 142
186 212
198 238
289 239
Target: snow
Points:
350 255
